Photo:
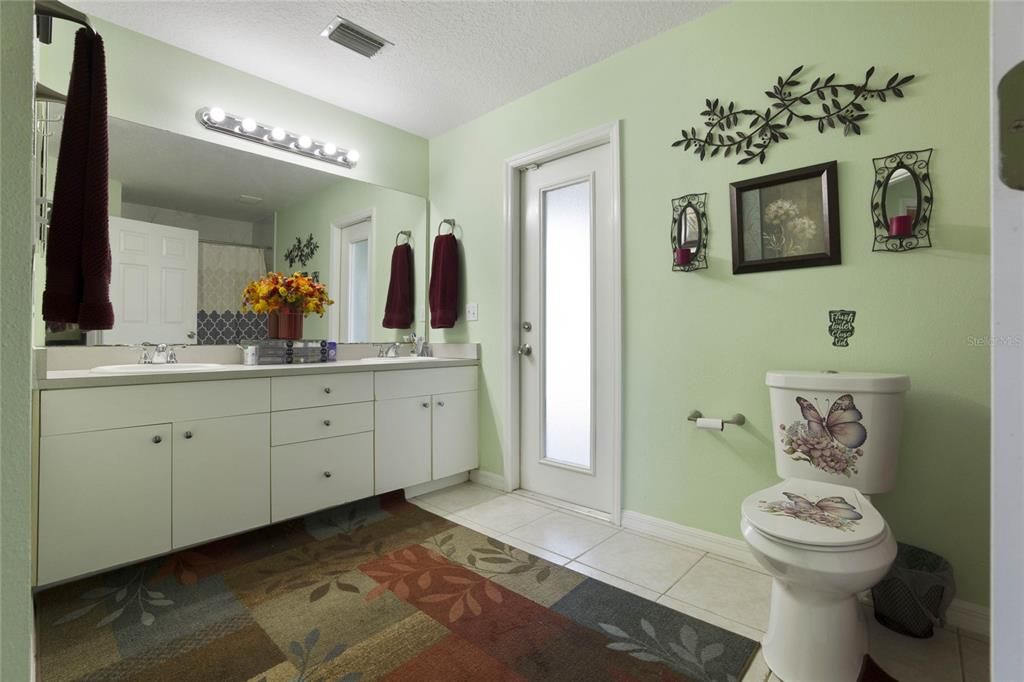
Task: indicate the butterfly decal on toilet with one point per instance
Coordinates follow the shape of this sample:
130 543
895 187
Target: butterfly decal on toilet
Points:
832 512
831 443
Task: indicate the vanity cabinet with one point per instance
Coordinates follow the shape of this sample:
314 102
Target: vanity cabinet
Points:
104 499
131 472
425 425
221 477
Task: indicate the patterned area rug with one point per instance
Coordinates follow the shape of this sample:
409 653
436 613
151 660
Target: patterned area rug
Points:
375 589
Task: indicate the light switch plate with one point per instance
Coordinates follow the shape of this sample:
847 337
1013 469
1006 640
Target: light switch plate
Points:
472 312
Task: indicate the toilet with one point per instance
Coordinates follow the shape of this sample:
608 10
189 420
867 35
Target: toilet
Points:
836 437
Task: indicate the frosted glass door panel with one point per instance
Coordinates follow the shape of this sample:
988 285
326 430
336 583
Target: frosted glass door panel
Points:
359 291
568 370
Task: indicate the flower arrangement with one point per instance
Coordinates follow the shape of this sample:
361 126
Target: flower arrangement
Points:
297 292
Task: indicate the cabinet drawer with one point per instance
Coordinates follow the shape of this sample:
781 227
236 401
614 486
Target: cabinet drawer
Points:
104 499
311 423
316 390
92 409
408 383
324 473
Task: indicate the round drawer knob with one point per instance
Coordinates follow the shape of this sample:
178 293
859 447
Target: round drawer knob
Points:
327 422
327 474
157 439
426 404
327 389
188 435
440 403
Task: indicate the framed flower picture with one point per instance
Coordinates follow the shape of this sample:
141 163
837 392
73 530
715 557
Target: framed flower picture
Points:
786 220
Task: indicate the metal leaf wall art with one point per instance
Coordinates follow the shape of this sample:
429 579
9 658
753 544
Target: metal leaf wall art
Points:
301 252
748 133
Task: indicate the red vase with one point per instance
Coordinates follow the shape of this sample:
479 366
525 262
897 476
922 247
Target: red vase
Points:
285 323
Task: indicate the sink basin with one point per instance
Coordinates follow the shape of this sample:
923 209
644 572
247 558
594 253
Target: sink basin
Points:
401 358
151 369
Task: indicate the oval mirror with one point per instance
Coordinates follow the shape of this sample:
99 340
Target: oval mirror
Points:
901 195
689 227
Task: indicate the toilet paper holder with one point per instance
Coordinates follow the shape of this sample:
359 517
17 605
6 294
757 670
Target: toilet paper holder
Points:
737 419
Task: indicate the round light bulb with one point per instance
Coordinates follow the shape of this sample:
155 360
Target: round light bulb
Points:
278 133
216 114
248 124
330 149
305 142
352 155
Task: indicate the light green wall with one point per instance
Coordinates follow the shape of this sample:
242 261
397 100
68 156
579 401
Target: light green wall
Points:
15 337
158 85
393 211
704 340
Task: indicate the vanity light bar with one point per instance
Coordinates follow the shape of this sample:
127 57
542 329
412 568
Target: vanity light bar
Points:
215 118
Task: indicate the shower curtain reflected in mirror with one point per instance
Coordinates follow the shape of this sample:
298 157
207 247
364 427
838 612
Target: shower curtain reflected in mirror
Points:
224 272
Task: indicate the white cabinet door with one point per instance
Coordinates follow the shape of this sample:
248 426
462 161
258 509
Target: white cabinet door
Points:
320 474
402 443
153 282
455 433
104 499
221 477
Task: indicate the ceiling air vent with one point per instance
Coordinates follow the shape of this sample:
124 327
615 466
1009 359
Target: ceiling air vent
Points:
355 37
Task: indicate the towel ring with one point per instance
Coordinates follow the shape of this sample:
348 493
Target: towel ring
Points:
450 222
403 233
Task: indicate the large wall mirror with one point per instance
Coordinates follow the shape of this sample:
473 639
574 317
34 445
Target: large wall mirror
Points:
192 222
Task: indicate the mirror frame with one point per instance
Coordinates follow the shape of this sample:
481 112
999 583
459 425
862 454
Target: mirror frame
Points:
915 162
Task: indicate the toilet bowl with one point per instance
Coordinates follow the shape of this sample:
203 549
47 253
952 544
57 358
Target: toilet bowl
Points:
816 532
816 629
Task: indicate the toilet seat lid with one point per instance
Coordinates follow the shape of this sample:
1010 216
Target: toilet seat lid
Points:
814 513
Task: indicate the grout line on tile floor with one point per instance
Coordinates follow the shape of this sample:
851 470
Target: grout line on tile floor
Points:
704 555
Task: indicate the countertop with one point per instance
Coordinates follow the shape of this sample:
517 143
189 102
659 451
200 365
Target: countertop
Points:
84 378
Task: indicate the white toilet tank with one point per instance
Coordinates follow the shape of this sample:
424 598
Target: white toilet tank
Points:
838 427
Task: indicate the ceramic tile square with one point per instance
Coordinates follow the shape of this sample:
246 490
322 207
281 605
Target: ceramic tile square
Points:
504 513
460 497
565 534
727 589
936 659
614 581
974 653
649 563
535 550
713 618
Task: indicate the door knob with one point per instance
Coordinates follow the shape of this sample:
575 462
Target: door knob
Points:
327 422
440 403
188 435
327 389
157 439
426 404
525 349
327 474
191 335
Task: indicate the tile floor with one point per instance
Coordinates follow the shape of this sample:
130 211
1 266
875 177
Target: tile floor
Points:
715 589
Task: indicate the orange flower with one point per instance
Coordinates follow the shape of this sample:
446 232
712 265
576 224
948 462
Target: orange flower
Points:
298 291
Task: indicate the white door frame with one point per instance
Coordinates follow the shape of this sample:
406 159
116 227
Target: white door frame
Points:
333 288
606 134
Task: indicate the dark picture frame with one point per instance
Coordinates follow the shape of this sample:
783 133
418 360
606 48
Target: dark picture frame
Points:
786 220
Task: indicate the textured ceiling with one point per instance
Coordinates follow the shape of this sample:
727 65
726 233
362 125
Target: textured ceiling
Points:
452 61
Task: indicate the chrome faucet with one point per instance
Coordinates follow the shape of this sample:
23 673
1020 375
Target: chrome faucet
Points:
392 350
420 348
162 354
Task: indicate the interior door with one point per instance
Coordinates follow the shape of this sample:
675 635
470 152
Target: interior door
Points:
153 283
567 403
355 295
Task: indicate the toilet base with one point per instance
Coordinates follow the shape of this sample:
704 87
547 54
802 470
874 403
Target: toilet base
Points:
813 635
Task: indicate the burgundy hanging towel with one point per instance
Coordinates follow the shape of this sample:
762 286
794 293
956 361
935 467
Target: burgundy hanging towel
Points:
444 282
398 309
78 245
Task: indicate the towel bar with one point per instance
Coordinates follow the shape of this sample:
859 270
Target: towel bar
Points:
737 419
406 233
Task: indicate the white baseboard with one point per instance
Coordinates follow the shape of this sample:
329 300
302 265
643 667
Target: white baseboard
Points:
431 486
961 615
489 479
